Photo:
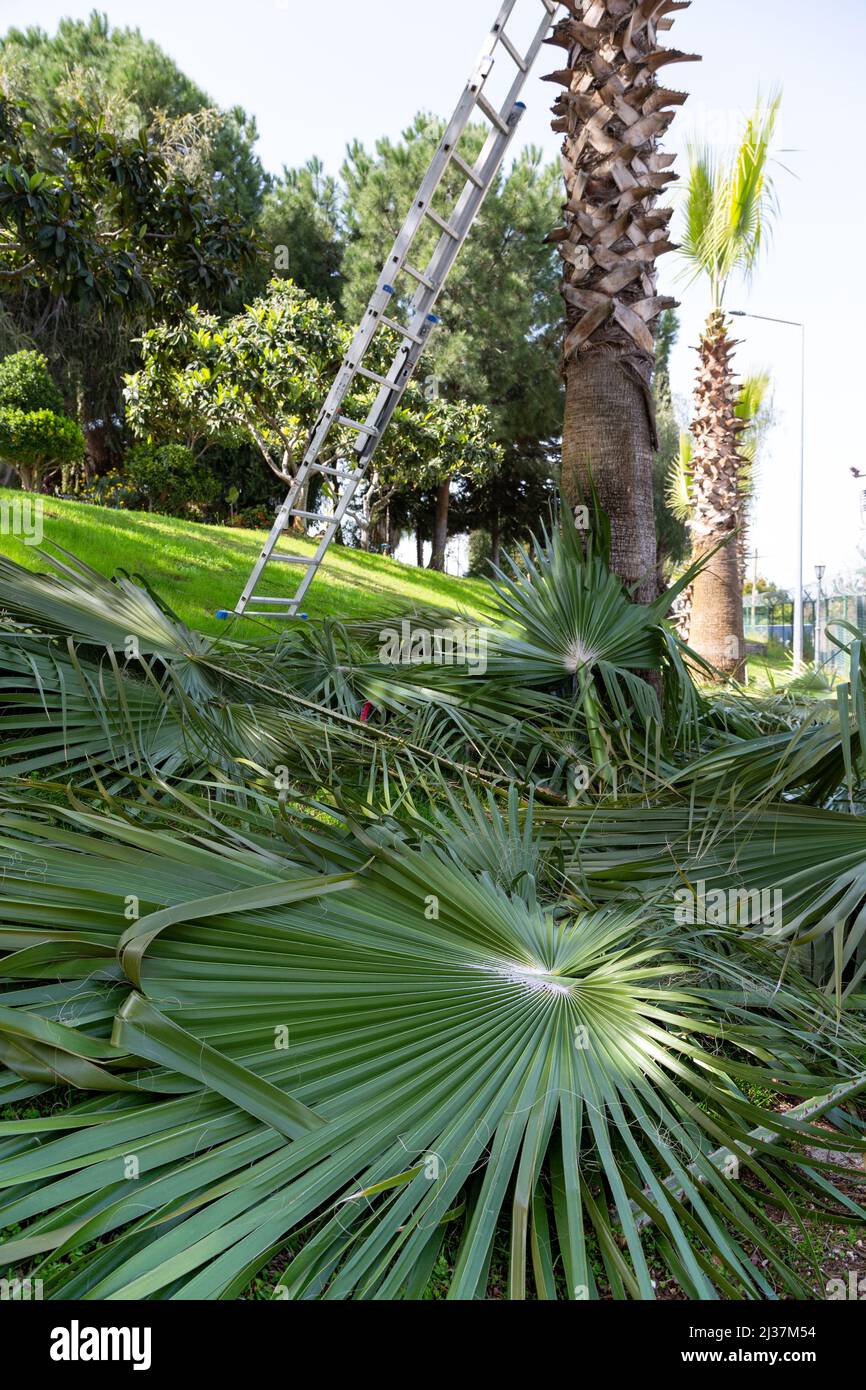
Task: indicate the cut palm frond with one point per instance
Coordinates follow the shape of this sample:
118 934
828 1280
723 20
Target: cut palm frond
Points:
369 1060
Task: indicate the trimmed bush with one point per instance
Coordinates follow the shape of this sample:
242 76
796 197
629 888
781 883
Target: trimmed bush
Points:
36 437
169 479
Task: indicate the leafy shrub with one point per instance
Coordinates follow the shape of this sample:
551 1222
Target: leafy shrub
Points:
25 383
169 479
35 435
111 489
253 519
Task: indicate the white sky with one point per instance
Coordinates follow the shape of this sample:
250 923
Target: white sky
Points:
317 75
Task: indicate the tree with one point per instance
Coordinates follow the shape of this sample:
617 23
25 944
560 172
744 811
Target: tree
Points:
612 113
753 411
500 307
729 205
301 226
507 505
137 85
440 446
36 437
263 374
672 535
111 214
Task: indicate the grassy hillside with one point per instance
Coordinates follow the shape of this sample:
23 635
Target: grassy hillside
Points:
199 569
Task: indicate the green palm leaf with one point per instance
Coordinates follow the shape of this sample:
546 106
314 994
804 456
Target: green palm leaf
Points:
483 1061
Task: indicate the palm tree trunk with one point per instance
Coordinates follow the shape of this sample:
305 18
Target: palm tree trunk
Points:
716 627
440 527
608 429
717 631
613 114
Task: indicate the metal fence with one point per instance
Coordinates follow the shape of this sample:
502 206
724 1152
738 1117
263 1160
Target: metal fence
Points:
771 621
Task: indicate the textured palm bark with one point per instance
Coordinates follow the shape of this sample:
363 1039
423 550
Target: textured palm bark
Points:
613 113
681 613
607 429
717 631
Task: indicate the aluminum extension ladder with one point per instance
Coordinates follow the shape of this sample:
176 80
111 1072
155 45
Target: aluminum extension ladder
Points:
421 319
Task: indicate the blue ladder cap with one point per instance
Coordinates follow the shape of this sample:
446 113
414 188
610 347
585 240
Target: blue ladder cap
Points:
223 613
520 106
431 318
304 617
389 289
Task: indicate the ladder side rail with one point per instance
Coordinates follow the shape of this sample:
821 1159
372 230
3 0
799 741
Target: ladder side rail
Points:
403 367
447 251
465 211
430 287
414 221
469 204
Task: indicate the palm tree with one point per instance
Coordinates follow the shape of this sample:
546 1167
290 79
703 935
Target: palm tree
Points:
729 205
612 114
753 415
754 410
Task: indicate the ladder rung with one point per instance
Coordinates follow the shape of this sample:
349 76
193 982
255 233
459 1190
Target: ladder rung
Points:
331 472
310 516
399 328
466 169
512 51
420 277
412 335
381 380
356 425
492 114
441 223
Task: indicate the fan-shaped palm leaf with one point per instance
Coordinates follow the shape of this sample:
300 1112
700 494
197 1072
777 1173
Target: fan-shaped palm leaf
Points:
375 1060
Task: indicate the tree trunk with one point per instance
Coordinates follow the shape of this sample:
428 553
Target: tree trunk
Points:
495 540
102 454
377 530
419 548
716 624
298 523
440 527
613 113
609 430
717 630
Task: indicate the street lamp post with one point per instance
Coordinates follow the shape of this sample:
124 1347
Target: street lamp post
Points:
820 571
801 481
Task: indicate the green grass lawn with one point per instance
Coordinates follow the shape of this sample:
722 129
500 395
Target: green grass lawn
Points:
199 569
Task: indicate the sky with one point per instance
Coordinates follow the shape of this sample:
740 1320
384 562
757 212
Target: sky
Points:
318 75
